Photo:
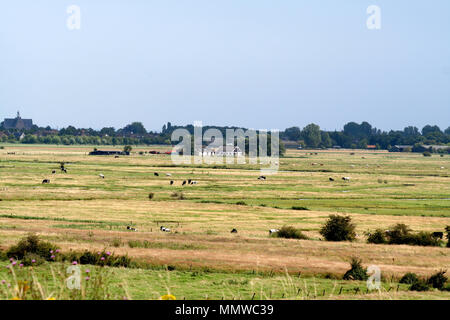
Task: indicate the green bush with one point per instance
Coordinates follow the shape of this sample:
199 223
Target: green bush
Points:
401 234
377 237
31 244
299 208
438 280
3 255
409 278
290 232
241 203
100 258
419 286
32 259
425 239
356 272
338 228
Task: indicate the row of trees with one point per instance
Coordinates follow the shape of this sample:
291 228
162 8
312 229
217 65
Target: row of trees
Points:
357 135
353 135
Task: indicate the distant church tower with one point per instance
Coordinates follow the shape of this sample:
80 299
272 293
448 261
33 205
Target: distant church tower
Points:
18 123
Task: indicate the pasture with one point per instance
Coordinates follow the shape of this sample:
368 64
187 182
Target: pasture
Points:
80 210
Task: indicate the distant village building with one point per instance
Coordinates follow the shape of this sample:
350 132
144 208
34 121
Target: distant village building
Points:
18 123
228 151
108 153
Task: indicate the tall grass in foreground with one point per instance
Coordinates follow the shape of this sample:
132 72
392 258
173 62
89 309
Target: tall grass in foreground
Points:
26 284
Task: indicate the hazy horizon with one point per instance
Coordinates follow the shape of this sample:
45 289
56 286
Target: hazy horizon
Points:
253 64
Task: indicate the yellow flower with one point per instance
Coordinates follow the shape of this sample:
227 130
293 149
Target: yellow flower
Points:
168 297
16 298
23 286
50 298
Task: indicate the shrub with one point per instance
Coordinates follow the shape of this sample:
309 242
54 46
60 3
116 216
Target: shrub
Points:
338 228
401 234
178 195
3 255
32 259
426 154
31 244
419 286
409 278
101 258
356 272
378 237
299 208
425 239
290 232
116 242
437 280
241 203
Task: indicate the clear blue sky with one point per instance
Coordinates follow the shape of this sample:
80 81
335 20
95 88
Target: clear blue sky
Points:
252 63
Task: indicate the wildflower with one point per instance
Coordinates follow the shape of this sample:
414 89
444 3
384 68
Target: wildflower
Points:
51 251
3 281
74 263
99 253
108 253
57 251
7 267
21 265
33 261
11 259
168 297
87 270
87 278
102 258
52 257
14 263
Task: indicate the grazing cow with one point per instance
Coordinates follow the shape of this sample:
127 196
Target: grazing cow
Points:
331 179
64 170
189 181
115 157
272 231
164 229
346 178
131 228
171 182
45 181
156 174
168 174
101 176
184 182
53 171
234 230
261 178
193 182
438 235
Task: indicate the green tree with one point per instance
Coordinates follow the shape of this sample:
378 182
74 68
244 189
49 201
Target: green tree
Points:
312 136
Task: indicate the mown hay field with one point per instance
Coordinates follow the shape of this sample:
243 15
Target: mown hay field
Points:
79 210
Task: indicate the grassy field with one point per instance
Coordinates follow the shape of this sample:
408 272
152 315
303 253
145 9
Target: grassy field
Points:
79 210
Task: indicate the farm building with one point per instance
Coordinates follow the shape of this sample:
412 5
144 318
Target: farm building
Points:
228 151
107 153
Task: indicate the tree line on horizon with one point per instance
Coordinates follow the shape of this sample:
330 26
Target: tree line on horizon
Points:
353 136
